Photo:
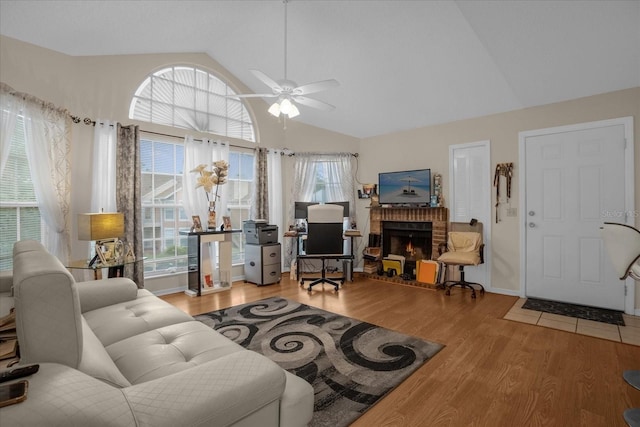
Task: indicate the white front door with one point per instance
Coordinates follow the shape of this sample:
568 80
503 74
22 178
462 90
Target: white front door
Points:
470 197
572 178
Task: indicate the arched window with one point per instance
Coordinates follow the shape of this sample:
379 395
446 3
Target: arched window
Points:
191 98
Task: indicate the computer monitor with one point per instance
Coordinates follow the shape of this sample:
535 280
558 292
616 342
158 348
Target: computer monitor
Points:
345 206
300 208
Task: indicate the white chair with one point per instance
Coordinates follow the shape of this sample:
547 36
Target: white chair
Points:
623 245
464 247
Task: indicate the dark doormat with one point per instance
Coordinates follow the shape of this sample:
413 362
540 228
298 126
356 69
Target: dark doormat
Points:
580 311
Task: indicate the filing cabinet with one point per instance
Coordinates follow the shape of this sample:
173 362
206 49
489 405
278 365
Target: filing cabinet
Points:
262 264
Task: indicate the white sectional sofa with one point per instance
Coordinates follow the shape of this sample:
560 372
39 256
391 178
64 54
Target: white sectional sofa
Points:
115 355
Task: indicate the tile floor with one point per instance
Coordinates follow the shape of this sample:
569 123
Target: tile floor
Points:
629 334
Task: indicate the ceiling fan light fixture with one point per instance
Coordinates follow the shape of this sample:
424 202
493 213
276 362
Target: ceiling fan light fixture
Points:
285 106
293 112
274 110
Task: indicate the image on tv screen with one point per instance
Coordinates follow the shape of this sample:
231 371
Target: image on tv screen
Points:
407 187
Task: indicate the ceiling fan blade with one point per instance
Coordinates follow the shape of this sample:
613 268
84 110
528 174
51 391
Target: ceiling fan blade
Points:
275 87
313 103
315 87
252 95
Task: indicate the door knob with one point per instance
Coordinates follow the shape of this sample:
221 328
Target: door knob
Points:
531 213
531 225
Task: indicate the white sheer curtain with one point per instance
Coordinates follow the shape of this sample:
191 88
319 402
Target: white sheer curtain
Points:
11 107
339 166
307 166
304 185
103 189
198 153
195 153
47 133
274 172
48 147
221 152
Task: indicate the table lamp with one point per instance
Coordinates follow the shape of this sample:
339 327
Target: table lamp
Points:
100 227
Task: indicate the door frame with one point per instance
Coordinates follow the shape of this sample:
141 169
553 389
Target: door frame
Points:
486 222
629 218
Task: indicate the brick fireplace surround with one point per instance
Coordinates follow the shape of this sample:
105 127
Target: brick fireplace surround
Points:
439 218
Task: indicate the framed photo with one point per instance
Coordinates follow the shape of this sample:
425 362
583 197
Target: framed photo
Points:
129 255
109 250
101 254
226 221
197 224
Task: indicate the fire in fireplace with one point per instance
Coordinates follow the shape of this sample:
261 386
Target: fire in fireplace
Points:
411 240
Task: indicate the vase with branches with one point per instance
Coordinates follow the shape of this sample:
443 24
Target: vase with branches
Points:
210 177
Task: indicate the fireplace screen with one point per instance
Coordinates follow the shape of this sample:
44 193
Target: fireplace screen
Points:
411 240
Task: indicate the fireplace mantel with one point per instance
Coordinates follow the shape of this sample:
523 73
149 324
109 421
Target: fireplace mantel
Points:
439 217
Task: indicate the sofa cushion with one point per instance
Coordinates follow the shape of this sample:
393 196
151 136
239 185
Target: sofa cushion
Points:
168 350
28 246
97 362
62 396
101 293
47 310
119 321
218 393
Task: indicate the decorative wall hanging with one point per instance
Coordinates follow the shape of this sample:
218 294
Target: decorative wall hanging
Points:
506 170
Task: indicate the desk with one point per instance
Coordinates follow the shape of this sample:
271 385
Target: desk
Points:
323 257
116 269
197 269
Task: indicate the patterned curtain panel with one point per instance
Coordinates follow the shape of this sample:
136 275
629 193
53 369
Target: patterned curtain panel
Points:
260 205
128 197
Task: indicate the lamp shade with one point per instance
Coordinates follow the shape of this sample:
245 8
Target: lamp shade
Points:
99 226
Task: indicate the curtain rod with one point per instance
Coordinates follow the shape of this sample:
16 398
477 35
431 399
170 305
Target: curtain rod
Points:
286 152
87 121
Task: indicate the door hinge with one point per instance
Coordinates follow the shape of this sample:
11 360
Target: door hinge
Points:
625 289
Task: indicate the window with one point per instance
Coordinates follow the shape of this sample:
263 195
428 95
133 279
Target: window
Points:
191 98
19 213
161 165
327 183
163 215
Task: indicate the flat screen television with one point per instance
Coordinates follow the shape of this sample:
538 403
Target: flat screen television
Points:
405 188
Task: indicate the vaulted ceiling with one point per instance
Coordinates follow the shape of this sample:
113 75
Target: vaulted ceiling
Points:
401 64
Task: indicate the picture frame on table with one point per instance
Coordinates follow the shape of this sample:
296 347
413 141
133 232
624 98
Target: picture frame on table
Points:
100 253
109 250
226 222
197 224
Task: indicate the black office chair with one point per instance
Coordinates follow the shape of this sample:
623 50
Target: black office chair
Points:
464 248
324 241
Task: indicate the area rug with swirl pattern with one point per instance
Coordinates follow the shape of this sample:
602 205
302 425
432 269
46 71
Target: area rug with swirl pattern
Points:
350 364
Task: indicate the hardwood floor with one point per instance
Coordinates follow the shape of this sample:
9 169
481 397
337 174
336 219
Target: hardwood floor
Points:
492 372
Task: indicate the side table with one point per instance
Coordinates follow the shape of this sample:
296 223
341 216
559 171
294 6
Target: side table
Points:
116 269
197 268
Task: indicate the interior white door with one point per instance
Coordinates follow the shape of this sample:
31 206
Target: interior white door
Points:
572 179
470 197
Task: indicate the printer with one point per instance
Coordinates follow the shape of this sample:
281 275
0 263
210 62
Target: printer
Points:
258 232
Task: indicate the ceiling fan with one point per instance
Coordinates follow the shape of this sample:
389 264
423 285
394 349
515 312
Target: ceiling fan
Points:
287 91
